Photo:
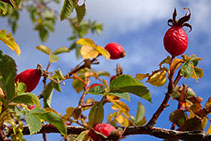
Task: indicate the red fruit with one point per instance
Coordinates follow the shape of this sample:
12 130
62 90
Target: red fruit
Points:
30 77
176 40
102 128
116 50
31 107
67 123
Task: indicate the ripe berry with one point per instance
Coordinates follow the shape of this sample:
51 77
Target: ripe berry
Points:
176 40
102 128
31 107
30 77
116 50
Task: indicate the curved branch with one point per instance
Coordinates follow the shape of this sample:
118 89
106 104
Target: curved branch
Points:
168 133
135 130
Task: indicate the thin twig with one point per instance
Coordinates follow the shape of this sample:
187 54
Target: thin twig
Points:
44 136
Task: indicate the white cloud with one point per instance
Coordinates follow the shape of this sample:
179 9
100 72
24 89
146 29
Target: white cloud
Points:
124 15
201 15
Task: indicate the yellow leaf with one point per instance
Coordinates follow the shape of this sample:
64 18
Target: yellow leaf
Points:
141 76
88 52
103 51
86 42
90 74
91 50
157 78
208 103
69 112
176 64
110 116
209 130
122 120
119 105
44 49
9 41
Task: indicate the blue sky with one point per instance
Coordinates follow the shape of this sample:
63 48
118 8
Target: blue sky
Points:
139 26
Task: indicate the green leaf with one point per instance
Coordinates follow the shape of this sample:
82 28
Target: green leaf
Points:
97 90
9 41
3 8
44 49
34 123
187 69
126 83
53 58
67 9
7 75
26 98
21 88
37 111
194 59
140 113
80 11
57 87
96 114
58 75
56 120
179 117
47 95
77 84
43 34
61 50
123 95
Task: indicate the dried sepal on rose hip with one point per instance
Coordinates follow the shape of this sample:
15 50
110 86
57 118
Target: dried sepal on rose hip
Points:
103 128
116 50
30 77
176 40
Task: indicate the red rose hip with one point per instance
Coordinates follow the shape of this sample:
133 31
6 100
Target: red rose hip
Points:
31 107
30 77
176 40
102 128
116 50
